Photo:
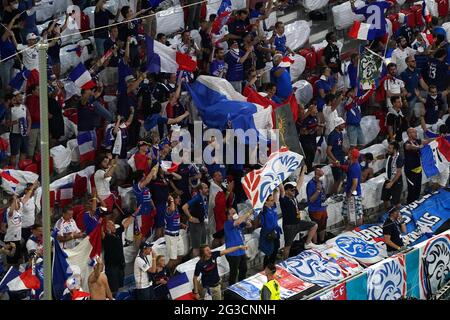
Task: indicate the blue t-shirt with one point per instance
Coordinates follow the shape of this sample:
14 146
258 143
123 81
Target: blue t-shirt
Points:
335 140
354 172
315 206
198 207
172 223
374 15
269 219
432 107
411 80
235 70
216 67
326 85
352 71
354 115
233 237
436 73
280 43
7 49
143 199
283 83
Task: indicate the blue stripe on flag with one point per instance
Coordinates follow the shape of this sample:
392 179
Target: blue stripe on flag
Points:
153 59
428 162
84 137
60 270
177 281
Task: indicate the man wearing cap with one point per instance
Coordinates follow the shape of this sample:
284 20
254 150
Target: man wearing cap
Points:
353 201
392 228
316 197
144 266
19 121
335 152
30 55
292 222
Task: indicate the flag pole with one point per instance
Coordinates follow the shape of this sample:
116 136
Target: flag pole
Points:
45 169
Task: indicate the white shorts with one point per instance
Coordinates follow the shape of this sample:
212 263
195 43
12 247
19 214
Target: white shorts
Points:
174 247
442 178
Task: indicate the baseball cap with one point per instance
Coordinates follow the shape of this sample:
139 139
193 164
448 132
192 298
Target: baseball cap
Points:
290 184
145 244
355 153
32 36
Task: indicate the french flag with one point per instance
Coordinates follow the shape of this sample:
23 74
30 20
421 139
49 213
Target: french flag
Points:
286 62
161 58
169 166
65 194
9 182
14 280
78 50
435 157
180 288
426 12
66 261
218 103
223 14
81 77
86 145
362 31
20 79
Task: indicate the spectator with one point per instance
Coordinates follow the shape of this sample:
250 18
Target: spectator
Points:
143 269
29 51
395 121
435 107
335 153
239 27
19 122
160 279
292 222
435 73
392 188
353 116
331 54
104 171
235 59
233 229
271 289
278 40
400 54
352 70
172 229
316 208
393 227
92 215
54 46
188 46
309 128
281 78
393 85
145 205
98 283
413 82
114 256
330 112
8 46
207 268
28 209
352 205
196 211
421 45
102 16
13 236
218 67
193 18
324 85
34 138
55 117
67 230
34 244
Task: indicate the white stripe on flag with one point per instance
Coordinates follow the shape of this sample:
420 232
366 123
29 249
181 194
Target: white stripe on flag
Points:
84 78
66 194
181 290
363 31
167 57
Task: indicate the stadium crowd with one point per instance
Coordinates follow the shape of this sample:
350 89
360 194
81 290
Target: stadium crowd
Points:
203 198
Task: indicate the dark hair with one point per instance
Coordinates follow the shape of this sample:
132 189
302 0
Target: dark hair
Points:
271 267
322 71
353 56
440 53
113 27
390 65
440 38
392 210
137 175
259 5
202 250
239 12
184 32
434 21
159 36
399 39
99 160
269 86
278 24
368 156
288 186
394 98
124 11
35 226
395 145
67 209
8 96
328 36
212 17
329 97
443 129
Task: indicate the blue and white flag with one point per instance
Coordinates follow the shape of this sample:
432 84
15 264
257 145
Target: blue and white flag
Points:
20 79
433 161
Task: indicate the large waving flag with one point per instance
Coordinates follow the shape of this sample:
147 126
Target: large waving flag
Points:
86 145
19 80
259 184
362 31
218 103
223 14
435 156
66 261
14 280
81 77
161 58
15 181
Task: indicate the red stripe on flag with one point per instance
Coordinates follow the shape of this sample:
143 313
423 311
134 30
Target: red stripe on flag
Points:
185 62
444 147
30 280
10 178
353 32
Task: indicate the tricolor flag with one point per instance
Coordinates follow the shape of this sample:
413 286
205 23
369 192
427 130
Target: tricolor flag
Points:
161 58
286 62
362 31
16 281
9 183
223 14
19 80
180 287
66 261
78 50
435 157
81 77
426 12
65 194
169 166
86 145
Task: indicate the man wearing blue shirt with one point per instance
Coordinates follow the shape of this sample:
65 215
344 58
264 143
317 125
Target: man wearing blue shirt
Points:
281 78
352 70
235 59
234 236
436 70
352 207
316 196
413 81
218 67
196 210
279 39
335 152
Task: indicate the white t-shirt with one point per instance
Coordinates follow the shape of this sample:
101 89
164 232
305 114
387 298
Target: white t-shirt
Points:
29 209
30 56
14 230
141 266
330 116
399 56
65 227
102 184
394 86
18 112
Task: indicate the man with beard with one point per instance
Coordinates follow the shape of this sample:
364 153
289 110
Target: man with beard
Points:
392 228
392 188
401 53
395 121
393 85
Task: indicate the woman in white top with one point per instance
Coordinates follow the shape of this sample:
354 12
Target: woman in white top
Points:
102 178
28 209
14 229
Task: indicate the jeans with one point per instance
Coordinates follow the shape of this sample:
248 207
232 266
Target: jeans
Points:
355 135
237 264
145 294
6 74
99 48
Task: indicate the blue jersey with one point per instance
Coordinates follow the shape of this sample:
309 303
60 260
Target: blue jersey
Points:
143 199
172 221
280 43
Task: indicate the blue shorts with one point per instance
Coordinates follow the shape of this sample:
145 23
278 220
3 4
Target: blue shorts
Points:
355 135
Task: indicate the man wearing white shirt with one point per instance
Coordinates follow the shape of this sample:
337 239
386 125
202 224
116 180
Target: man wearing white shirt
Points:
393 85
30 54
102 177
28 209
68 233
330 111
400 54
144 265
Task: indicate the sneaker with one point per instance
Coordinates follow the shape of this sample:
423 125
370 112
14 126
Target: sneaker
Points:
311 246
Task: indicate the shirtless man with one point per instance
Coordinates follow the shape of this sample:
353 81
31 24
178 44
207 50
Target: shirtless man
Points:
98 283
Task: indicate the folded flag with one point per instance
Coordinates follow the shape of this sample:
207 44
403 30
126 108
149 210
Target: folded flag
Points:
433 160
19 80
161 58
169 166
223 14
259 184
362 31
180 288
67 262
81 77
65 195
86 146
14 280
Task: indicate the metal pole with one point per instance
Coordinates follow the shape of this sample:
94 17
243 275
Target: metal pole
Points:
45 169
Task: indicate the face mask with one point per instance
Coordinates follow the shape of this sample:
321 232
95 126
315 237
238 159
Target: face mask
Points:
433 96
235 216
236 50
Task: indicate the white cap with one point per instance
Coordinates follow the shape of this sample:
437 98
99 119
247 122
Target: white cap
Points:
31 36
338 121
130 78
